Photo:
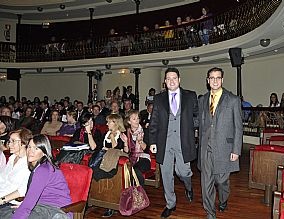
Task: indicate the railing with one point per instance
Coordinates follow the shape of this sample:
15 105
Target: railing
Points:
255 119
7 52
227 25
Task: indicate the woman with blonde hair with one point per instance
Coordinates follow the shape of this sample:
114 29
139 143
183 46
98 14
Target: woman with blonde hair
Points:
113 139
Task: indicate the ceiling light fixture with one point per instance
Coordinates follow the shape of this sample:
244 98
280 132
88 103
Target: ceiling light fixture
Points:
40 9
195 58
165 61
264 42
62 6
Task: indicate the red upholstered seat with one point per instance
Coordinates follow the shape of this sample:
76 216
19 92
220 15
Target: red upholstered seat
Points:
102 128
268 132
264 160
277 140
269 147
78 178
152 176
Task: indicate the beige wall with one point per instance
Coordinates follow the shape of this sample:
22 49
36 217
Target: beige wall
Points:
260 77
55 86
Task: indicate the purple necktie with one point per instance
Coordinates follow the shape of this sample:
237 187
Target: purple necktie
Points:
174 104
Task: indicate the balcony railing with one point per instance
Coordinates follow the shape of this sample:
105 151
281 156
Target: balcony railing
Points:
255 119
227 25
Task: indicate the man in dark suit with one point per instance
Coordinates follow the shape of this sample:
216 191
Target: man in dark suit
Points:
171 135
220 138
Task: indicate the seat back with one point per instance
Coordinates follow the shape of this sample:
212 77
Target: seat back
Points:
106 192
58 141
264 160
79 179
152 176
277 140
267 133
102 128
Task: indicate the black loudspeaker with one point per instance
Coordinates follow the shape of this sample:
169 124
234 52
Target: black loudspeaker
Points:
236 56
13 74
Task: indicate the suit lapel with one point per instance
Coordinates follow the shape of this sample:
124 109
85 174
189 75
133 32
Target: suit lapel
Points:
165 101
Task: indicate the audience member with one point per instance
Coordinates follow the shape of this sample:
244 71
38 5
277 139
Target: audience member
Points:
274 102
53 125
128 94
282 101
14 176
127 106
98 118
140 160
47 188
6 126
108 98
69 128
27 120
114 139
145 117
150 97
116 96
205 26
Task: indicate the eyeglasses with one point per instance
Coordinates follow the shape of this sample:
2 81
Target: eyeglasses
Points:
217 78
13 141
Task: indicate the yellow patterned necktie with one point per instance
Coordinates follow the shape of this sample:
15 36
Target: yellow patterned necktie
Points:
212 104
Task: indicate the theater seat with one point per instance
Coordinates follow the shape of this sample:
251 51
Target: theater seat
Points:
152 177
106 192
278 200
264 160
57 143
268 132
277 140
78 178
102 128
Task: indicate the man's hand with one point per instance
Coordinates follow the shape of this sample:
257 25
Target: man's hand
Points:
234 157
153 148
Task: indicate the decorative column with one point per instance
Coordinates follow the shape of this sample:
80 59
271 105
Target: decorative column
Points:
137 2
90 74
137 72
91 21
18 30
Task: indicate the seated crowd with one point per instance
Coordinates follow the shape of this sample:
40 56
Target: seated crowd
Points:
26 152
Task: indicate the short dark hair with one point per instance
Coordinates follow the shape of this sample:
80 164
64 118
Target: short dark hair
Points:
172 69
215 69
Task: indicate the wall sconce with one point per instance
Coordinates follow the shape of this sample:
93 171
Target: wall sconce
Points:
124 71
195 58
61 69
264 42
165 61
62 6
40 9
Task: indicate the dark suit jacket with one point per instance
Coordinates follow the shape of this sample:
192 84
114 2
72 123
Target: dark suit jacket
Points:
228 131
158 128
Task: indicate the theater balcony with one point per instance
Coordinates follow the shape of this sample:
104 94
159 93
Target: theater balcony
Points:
245 26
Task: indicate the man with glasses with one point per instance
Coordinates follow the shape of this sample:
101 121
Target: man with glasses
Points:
220 140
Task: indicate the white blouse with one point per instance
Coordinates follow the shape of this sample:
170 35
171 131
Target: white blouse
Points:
14 177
